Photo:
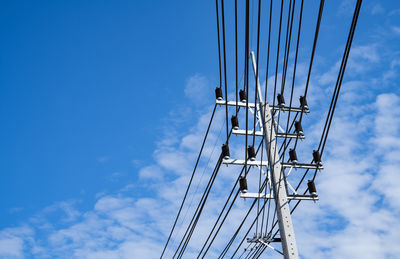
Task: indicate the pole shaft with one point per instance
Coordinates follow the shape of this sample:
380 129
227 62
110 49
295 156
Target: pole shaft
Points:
286 229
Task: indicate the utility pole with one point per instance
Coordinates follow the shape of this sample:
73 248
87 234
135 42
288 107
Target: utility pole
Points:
275 168
275 189
289 246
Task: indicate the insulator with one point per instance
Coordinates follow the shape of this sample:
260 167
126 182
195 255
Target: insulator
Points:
243 184
225 151
235 122
281 100
317 157
311 188
251 153
298 127
242 95
303 102
218 93
293 155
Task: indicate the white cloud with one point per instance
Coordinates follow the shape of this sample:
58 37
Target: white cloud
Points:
12 241
377 9
11 247
197 89
346 7
396 29
351 189
120 226
151 172
103 159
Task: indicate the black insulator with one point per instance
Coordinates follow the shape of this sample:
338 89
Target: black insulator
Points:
235 122
293 155
311 188
242 95
281 100
243 184
317 157
303 102
298 127
218 93
225 151
252 153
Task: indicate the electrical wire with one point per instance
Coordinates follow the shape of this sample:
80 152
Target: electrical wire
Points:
258 50
225 81
341 73
212 230
236 59
190 181
258 249
192 225
337 87
287 44
255 95
219 46
271 156
320 11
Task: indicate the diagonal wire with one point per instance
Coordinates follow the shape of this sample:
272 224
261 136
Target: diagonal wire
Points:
190 181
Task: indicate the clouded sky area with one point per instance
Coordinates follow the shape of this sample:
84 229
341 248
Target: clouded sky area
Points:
104 104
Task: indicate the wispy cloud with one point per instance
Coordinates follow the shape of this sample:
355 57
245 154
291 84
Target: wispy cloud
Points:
377 9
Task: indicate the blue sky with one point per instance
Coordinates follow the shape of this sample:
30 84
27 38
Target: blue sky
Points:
85 87
103 105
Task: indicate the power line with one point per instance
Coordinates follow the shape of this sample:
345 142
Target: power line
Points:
226 82
337 88
190 181
341 72
219 45
255 91
258 50
192 225
236 60
321 9
219 216
246 75
274 113
287 43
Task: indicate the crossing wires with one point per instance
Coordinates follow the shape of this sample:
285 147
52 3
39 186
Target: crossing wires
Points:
285 55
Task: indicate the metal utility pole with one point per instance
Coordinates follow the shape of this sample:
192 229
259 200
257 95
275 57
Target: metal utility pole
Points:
275 169
275 189
277 180
286 230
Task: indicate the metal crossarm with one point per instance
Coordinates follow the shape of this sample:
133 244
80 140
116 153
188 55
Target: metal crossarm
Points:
268 196
266 240
249 132
252 105
243 162
260 133
304 166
